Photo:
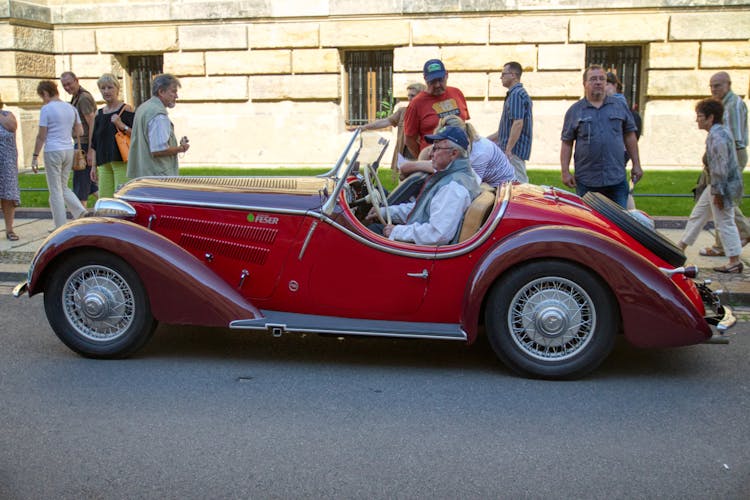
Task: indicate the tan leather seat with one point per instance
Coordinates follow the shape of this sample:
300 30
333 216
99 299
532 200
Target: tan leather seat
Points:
477 212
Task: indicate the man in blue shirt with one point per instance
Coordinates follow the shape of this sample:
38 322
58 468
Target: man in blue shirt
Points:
515 129
601 128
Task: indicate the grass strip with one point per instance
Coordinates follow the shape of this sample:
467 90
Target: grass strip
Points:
673 186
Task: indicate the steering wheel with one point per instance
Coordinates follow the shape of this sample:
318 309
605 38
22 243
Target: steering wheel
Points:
376 194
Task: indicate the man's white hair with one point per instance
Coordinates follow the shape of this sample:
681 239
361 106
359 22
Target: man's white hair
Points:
461 151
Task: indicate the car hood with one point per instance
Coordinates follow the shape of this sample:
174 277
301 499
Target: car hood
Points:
290 193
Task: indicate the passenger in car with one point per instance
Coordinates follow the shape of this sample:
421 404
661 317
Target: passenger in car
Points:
486 158
435 216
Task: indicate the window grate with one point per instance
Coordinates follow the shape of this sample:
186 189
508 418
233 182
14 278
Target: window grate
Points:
142 70
369 78
625 62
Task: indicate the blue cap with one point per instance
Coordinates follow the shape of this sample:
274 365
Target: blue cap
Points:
433 69
454 134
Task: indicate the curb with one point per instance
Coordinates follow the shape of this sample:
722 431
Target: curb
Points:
12 277
32 213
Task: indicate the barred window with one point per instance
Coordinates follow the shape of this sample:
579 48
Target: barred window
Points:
369 85
142 70
625 62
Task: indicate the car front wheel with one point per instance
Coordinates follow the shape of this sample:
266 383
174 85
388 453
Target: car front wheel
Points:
97 305
551 319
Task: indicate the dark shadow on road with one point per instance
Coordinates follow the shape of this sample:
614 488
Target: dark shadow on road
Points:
313 349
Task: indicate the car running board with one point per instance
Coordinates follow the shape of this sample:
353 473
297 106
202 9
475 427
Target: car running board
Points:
281 322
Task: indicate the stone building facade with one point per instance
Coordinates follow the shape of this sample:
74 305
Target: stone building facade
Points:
263 82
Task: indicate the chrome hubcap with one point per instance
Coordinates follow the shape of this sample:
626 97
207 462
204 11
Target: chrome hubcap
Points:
552 319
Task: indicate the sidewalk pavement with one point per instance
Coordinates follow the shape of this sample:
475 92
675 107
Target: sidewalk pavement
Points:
33 226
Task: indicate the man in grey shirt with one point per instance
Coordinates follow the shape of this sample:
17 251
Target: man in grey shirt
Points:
601 128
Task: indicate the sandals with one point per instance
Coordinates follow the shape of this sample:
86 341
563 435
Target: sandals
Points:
733 269
11 236
711 252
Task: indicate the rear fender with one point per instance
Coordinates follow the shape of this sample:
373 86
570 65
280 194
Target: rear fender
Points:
654 311
181 289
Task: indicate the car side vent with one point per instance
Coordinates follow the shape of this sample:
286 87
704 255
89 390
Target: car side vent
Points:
213 229
244 253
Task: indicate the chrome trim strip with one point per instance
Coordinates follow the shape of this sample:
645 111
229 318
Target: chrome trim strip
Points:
566 201
309 323
139 199
312 229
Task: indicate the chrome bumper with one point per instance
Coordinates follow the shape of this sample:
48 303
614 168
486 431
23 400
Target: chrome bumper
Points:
20 289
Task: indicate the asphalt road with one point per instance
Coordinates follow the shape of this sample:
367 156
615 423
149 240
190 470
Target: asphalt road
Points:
205 413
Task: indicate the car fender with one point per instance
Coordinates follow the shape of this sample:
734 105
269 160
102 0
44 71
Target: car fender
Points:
654 311
181 288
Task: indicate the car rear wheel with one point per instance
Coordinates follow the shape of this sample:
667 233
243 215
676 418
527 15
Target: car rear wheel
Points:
551 319
98 307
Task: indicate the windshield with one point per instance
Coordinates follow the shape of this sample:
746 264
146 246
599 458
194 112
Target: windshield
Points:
360 151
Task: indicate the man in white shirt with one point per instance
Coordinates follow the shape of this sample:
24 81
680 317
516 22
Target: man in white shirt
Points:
435 216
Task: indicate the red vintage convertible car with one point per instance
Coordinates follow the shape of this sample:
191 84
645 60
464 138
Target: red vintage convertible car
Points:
550 277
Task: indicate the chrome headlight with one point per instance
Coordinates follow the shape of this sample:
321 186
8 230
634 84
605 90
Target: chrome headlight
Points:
110 207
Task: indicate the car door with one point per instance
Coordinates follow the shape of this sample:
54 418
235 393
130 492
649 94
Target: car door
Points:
353 276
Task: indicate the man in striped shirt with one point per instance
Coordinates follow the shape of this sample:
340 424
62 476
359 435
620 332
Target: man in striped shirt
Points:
735 118
515 129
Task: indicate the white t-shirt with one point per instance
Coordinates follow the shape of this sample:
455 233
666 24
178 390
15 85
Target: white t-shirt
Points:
59 117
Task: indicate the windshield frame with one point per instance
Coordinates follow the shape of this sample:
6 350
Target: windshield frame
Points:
341 171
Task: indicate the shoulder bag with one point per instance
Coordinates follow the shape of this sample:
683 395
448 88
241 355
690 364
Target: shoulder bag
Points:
79 160
123 140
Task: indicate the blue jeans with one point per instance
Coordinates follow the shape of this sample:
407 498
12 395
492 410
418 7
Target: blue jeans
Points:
617 192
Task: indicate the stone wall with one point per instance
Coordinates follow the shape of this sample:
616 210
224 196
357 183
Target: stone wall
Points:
263 83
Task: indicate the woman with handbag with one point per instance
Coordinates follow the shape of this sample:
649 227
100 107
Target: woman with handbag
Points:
114 119
58 124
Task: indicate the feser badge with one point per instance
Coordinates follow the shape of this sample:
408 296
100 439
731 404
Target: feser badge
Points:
262 219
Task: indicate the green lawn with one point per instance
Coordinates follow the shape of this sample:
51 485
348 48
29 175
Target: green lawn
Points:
654 182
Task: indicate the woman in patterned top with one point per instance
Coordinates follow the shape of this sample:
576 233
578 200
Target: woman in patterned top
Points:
725 190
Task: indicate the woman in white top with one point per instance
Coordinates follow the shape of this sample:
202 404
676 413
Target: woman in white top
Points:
58 122
487 159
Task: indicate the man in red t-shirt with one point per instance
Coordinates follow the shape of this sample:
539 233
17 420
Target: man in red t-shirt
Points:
425 110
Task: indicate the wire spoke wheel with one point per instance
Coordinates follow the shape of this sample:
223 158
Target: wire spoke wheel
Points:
98 303
551 319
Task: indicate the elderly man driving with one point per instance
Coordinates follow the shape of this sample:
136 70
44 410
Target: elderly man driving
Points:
435 216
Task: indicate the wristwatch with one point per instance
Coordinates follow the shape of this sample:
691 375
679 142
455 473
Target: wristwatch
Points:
126 128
